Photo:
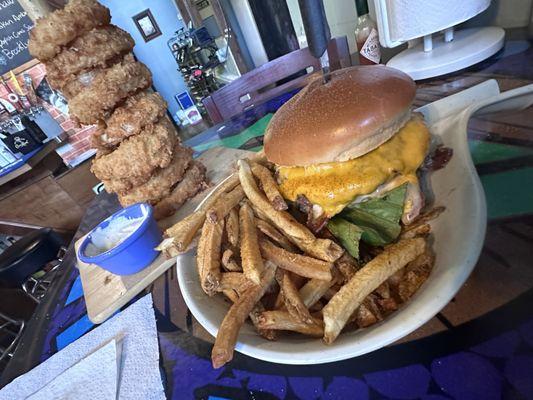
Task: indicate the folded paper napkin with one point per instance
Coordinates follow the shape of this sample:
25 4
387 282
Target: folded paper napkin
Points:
95 377
138 373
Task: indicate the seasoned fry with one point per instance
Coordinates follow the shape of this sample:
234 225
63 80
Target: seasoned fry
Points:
252 263
268 334
323 249
291 298
301 265
427 216
231 295
269 186
225 204
332 291
365 281
208 258
228 261
229 329
416 273
347 266
317 307
168 248
183 232
275 235
259 214
233 281
282 320
298 282
363 315
232 227
418 230
313 290
225 187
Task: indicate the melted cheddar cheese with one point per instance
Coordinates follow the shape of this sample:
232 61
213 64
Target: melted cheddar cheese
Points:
335 185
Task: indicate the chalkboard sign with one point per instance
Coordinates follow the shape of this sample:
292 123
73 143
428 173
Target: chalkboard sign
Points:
14 34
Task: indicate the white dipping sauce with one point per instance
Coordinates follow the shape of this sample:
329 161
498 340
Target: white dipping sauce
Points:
111 236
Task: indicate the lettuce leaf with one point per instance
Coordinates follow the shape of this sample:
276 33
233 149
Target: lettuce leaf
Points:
378 218
347 233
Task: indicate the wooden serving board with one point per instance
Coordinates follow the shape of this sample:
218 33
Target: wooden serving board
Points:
105 292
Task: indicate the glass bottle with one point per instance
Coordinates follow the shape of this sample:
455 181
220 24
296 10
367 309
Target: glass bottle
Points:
366 36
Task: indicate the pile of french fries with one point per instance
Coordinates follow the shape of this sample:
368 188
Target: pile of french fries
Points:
281 276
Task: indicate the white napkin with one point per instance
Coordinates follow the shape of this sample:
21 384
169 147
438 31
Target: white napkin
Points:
93 378
139 376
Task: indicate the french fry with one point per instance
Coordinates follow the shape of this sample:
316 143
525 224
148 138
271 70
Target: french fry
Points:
269 186
347 266
252 263
259 214
168 248
274 234
268 334
233 280
313 290
229 329
291 297
416 273
317 307
332 291
282 320
229 263
298 282
225 204
232 227
427 216
231 295
299 264
180 235
225 187
419 230
365 281
363 315
323 249
208 256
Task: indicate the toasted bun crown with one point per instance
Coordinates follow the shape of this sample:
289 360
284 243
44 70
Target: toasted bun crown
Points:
356 111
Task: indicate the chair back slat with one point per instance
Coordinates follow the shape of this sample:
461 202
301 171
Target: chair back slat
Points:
259 85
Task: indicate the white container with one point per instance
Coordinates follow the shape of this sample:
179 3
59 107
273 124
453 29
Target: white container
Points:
458 238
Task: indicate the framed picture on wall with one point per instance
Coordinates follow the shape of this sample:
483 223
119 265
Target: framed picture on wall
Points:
147 25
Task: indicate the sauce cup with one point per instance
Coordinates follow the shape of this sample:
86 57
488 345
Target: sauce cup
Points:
134 252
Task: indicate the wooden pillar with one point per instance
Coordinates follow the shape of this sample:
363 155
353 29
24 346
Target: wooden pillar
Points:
183 12
189 12
36 8
223 24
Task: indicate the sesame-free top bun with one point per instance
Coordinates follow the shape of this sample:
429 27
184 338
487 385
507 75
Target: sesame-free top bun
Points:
359 109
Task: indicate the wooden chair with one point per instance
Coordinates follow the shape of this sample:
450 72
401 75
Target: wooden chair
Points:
257 86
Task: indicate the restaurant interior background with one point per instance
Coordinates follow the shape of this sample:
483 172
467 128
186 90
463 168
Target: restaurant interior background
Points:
52 186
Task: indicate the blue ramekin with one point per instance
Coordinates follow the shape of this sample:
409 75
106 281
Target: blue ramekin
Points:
135 252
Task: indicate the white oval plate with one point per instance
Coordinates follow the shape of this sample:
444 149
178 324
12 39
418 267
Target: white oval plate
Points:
458 238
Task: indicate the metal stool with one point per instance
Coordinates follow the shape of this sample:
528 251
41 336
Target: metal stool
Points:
36 286
28 255
10 333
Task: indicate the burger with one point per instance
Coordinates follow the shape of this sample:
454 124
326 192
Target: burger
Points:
351 148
